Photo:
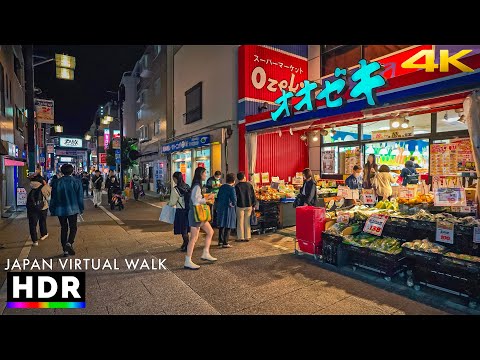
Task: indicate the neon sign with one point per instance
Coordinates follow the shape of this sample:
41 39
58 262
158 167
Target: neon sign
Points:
366 84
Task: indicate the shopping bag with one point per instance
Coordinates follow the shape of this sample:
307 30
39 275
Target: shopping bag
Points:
202 213
168 214
253 219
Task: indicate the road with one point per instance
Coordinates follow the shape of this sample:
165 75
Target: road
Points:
262 276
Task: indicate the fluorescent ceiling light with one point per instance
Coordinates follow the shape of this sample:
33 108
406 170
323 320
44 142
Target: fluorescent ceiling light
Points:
384 128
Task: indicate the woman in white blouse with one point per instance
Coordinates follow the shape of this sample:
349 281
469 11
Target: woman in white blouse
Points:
198 199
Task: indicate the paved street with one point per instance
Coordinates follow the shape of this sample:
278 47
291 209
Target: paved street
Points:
259 277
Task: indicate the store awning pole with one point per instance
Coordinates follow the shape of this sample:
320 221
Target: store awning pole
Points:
471 108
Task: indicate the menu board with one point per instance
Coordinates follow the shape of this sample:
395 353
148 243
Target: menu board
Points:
443 159
352 158
449 159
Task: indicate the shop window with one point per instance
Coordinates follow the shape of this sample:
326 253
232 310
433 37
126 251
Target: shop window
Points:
341 134
340 56
396 153
421 125
348 157
330 160
450 120
202 159
371 52
2 92
156 128
193 98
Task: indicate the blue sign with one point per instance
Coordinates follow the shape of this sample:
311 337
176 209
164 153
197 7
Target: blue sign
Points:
117 156
189 143
118 161
117 151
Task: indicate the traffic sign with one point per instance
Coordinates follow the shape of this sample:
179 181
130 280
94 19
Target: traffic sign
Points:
117 151
118 161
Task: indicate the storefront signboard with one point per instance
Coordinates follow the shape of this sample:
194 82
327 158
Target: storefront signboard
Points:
392 134
50 149
265 178
71 142
465 161
106 138
21 196
476 234
328 161
190 143
103 158
444 232
375 224
450 197
44 111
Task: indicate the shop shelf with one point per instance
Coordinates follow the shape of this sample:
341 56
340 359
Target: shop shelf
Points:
461 265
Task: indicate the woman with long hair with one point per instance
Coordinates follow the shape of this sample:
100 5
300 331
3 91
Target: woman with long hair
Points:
370 170
384 181
197 199
180 199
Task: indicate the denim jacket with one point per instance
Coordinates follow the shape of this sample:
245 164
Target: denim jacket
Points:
67 197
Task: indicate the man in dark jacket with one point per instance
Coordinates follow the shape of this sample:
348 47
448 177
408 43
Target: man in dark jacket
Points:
67 203
354 181
409 174
245 202
308 191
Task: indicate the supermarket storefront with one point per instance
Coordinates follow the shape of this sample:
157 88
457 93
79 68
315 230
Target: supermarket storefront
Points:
414 111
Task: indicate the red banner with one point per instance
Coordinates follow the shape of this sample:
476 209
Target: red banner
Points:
103 158
264 72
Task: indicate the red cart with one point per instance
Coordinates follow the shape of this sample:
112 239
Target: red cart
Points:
310 223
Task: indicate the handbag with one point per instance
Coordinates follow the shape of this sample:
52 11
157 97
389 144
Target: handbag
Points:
299 201
202 213
168 214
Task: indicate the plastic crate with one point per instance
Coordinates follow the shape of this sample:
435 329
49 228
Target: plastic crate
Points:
386 264
331 249
461 265
421 256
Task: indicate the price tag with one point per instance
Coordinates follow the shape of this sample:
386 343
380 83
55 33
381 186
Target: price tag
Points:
342 191
476 234
407 192
368 199
375 224
343 217
444 232
355 195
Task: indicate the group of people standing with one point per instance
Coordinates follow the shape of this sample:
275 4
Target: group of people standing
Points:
379 178
232 205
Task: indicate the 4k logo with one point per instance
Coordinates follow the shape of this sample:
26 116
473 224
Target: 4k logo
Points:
444 62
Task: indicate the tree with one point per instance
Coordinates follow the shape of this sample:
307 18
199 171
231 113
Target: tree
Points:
129 146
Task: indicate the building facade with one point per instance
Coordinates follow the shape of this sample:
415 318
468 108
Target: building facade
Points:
12 126
204 110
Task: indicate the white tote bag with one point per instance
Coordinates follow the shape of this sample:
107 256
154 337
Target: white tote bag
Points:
168 214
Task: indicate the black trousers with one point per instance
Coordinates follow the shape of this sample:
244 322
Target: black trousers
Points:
34 218
65 223
223 235
85 190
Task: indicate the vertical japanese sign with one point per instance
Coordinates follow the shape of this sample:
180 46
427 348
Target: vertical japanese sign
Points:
44 111
106 138
103 158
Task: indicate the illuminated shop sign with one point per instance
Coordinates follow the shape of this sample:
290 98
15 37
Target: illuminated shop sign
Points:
71 142
366 83
189 143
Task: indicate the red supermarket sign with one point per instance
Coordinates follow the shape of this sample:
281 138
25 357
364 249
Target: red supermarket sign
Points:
264 72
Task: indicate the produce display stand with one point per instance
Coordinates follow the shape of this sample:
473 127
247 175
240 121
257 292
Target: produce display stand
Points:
269 216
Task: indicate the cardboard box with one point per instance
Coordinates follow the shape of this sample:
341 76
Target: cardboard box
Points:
470 194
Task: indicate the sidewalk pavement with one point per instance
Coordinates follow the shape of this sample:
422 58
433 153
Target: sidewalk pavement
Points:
259 277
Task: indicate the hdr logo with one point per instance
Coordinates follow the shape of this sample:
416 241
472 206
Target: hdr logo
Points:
46 290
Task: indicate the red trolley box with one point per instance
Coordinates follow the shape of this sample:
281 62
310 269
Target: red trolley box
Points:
310 223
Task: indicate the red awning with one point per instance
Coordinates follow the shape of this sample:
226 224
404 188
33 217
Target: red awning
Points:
10 162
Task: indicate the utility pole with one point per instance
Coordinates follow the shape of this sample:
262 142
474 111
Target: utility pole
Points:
30 105
121 98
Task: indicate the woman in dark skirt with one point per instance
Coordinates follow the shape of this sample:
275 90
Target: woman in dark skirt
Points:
177 199
226 215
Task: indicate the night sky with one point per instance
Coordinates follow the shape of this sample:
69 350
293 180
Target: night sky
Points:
99 69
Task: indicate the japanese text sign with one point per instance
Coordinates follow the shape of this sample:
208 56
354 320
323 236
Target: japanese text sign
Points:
264 72
375 224
366 84
44 111
450 197
444 232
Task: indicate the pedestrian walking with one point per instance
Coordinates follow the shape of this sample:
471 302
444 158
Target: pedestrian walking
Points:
245 202
180 198
195 200
97 182
135 186
37 207
226 215
212 186
67 203
111 184
85 183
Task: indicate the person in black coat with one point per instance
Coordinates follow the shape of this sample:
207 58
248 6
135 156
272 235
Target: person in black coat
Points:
308 192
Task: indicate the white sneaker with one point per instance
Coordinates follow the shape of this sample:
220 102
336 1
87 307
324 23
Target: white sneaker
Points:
35 243
208 257
189 264
44 237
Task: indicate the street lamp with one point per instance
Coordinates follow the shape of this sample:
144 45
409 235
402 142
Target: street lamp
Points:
88 137
58 128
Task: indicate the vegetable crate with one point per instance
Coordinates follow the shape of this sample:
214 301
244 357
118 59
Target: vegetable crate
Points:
332 249
388 265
